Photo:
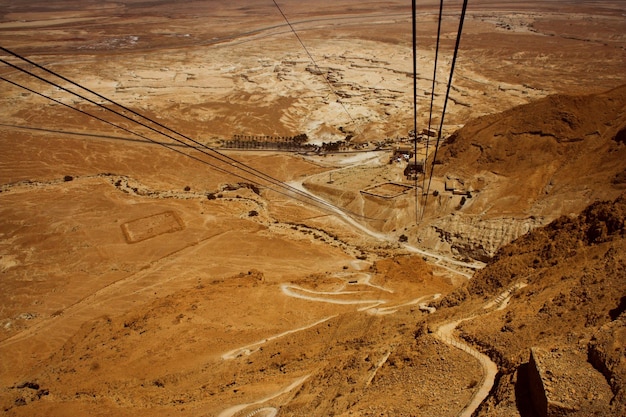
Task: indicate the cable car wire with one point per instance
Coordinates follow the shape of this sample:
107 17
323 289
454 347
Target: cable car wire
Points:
414 26
166 145
220 156
317 68
432 99
443 113
226 159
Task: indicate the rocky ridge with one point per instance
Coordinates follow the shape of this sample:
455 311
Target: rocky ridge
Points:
526 166
573 303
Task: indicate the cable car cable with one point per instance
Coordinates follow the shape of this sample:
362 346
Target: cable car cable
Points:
432 99
241 166
317 66
166 145
443 113
414 26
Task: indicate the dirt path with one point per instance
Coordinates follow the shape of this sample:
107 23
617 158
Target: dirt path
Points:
490 369
253 347
446 334
333 297
339 297
445 262
267 411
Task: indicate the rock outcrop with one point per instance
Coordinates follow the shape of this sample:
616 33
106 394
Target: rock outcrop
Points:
564 384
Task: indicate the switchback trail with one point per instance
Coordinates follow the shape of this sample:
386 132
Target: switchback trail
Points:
445 333
446 262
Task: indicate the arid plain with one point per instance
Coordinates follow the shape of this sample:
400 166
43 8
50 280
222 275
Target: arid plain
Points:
142 279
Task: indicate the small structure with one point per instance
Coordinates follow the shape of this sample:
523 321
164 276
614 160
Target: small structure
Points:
431 133
451 185
402 153
413 169
386 190
457 187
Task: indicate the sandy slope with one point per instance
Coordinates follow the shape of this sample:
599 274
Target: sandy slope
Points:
137 281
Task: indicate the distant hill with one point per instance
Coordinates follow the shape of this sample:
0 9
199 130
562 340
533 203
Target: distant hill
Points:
546 158
525 167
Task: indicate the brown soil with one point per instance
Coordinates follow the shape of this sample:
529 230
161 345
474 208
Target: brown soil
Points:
135 280
573 301
542 154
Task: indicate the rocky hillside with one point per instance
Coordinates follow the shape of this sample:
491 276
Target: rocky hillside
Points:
536 158
525 167
571 308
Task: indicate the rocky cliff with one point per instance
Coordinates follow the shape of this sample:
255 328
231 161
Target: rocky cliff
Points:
573 302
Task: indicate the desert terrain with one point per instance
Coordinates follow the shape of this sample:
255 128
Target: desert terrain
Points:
197 264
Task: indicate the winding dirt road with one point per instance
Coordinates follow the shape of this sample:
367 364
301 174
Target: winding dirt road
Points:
446 334
446 262
267 411
334 297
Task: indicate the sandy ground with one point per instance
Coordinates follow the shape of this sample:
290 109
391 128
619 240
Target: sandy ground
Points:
138 281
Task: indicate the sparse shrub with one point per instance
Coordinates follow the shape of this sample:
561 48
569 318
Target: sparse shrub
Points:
187 188
253 213
211 196
619 178
421 329
403 238
454 298
68 178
